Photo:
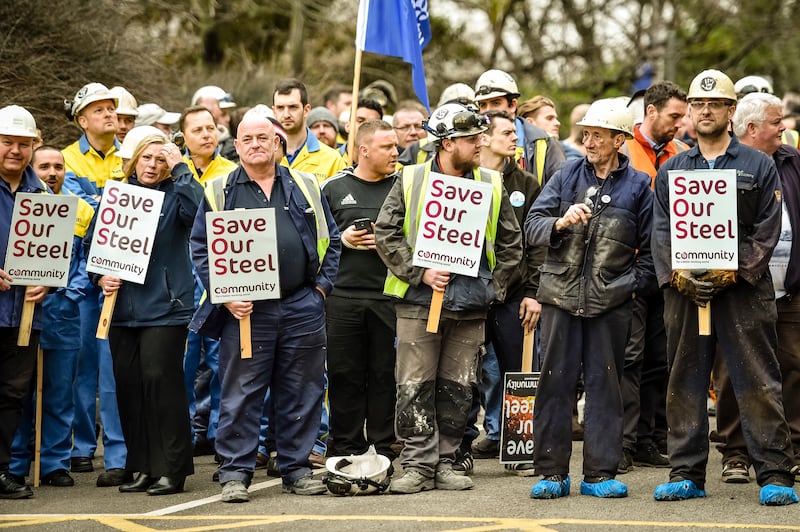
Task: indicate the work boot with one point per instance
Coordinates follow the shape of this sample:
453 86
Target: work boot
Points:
486 448
235 491
551 487
412 481
447 479
306 486
735 472
603 487
774 495
679 490
12 488
114 477
626 462
59 478
647 455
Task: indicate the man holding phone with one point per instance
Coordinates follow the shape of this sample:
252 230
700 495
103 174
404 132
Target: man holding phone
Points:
360 319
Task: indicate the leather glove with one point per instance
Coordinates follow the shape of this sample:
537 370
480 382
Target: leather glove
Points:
719 279
685 282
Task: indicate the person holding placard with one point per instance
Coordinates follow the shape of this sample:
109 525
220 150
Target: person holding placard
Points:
17 131
594 216
288 332
743 313
60 341
148 329
435 370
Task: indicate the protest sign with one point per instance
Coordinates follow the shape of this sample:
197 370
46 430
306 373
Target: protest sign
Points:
516 427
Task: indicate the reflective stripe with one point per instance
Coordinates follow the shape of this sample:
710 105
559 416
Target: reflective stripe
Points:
541 153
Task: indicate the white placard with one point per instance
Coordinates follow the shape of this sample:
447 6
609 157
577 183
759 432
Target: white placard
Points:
242 255
703 220
452 225
125 228
40 240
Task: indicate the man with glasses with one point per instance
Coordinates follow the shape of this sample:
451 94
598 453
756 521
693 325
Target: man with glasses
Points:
435 370
407 123
537 152
743 314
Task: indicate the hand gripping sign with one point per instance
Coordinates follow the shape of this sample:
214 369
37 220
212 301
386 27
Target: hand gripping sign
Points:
703 225
452 230
40 246
122 244
243 260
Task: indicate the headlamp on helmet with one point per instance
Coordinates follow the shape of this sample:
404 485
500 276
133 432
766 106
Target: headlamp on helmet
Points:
358 474
89 93
453 120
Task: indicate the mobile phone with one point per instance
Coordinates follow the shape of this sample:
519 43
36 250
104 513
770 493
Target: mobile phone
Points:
363 223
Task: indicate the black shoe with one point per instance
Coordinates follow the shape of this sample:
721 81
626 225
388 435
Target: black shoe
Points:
59 478
166 486
626 462
114 477
81 464
215 476
139 485
647 455
11 489
486 448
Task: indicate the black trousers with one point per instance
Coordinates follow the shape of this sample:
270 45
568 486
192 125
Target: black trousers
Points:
153 409
361 381
16 371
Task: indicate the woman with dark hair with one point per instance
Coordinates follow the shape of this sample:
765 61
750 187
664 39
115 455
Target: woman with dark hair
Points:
149 328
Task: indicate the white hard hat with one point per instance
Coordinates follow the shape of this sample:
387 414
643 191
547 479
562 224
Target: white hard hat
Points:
494 83
457 92
152 113
135 136
610 113
225 99
749 84
453 120
711 84
89 93
16 121
358 474
126 102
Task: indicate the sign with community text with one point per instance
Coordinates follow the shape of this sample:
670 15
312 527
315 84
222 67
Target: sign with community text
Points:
516 426
703 219
125 228
242 255
452 224
40 240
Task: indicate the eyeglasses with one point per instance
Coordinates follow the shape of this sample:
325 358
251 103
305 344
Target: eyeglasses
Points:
483 90
713 105
409 126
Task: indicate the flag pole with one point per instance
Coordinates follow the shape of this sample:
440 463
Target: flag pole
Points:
351 137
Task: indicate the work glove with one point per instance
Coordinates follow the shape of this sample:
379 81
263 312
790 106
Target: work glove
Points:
719 279
685 282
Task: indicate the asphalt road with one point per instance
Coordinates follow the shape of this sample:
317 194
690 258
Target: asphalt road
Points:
499 501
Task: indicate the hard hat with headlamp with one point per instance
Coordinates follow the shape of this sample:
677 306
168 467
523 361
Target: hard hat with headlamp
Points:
749 84
495 83
453 120
16 121
711 84
610 113
358 474
89 93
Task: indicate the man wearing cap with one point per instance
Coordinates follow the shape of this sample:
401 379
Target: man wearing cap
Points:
126 111
17 131
151 114
91 161
324 125
644 381
757 123
435 371
743 313
593 216
537 152
305 152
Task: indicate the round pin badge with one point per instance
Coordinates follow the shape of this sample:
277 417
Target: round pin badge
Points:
517 199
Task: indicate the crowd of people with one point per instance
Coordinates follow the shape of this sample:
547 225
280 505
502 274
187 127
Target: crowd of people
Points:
577 247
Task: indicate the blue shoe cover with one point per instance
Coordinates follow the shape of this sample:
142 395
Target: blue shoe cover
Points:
678 491
772 495
608 489
549 489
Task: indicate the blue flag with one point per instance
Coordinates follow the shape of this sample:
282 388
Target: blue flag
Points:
398 28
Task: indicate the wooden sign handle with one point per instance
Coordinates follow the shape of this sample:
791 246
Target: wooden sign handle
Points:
105 315
37 443
435 311
704 320
527 351
244 338
26 321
